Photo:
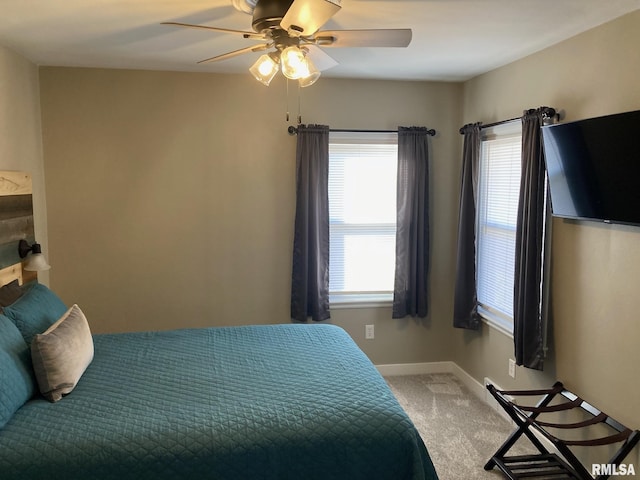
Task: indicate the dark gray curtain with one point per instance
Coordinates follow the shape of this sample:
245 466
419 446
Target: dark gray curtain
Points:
528 321
465 308
310 276
412 230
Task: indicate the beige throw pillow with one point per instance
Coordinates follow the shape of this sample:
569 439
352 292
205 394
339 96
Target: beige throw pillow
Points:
62 353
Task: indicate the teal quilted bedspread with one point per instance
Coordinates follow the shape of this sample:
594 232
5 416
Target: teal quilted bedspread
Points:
255 402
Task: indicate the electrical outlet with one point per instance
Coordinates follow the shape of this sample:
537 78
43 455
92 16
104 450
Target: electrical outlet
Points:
369 333
512 368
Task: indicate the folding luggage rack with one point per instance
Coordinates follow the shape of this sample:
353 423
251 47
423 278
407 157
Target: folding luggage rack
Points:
551 465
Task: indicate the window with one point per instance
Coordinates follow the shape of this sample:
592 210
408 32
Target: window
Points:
362 216
498 192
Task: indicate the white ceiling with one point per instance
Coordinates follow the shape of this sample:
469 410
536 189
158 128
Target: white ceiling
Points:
452 39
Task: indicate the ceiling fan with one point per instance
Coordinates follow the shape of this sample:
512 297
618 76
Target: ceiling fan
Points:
291 29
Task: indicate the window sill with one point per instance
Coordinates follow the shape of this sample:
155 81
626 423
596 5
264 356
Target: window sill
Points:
497 323
360 300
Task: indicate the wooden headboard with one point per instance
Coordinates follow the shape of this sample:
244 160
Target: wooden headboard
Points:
14 272
16 223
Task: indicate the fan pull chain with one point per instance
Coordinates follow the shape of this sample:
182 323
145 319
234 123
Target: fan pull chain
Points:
299 103
299 114
287 102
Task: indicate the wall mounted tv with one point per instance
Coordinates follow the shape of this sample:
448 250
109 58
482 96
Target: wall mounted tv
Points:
594 168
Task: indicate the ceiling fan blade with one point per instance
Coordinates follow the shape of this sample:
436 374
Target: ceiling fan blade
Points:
320 59
253 35
235 53
400 37
305 17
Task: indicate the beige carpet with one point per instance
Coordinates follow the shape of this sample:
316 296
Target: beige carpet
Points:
460 431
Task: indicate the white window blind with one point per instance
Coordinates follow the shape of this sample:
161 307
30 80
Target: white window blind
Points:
498 192
362 212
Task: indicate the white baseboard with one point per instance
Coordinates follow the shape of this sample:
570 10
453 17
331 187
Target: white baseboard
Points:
477 388
493 403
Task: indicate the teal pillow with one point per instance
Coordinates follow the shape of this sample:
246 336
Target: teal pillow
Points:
35 311
17 380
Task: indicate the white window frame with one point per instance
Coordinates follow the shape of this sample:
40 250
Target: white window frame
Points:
493 317
361 299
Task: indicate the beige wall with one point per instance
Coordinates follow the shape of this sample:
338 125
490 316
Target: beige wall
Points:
171 197
595 272
20 133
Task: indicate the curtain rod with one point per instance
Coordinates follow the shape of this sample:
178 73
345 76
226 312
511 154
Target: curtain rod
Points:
294 130
547 112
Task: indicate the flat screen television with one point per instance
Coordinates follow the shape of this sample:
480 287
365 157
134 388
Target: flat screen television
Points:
594 168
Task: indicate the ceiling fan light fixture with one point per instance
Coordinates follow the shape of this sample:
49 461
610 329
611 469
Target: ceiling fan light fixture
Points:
312 76
294 64
292 29
265 68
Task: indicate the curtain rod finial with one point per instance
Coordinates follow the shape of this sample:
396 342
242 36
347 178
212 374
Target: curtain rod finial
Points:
292 130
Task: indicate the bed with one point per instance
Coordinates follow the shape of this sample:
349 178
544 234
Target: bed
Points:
287 401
